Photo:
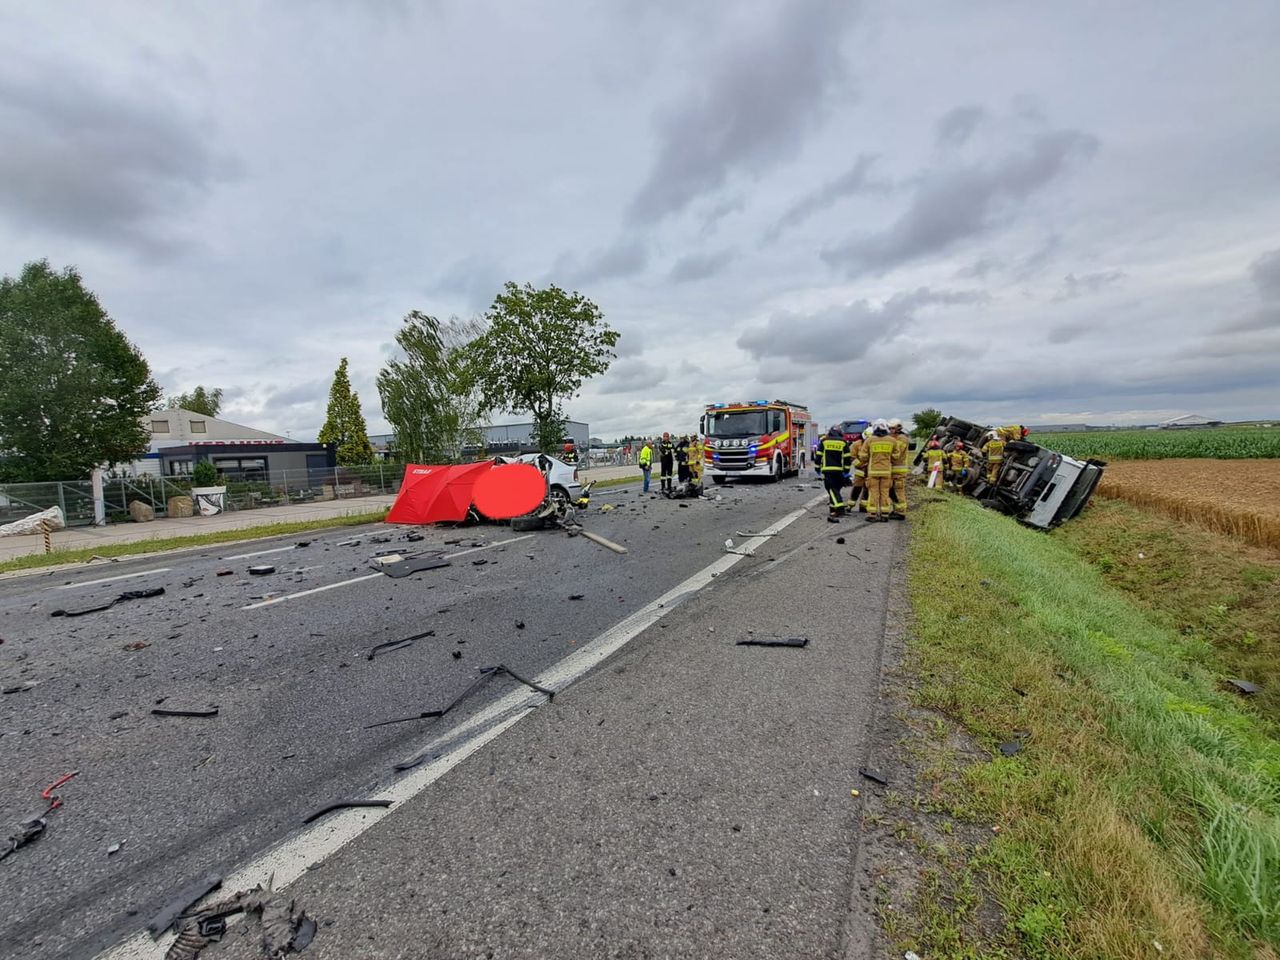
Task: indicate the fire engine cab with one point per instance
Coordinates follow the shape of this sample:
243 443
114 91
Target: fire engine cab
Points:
756 438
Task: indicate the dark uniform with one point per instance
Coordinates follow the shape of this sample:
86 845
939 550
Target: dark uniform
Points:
666 460
835 460
682 460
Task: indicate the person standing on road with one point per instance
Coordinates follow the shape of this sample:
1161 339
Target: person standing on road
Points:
646 464
877 460
993 450
902 447
834 454
682 460
697 461
666 461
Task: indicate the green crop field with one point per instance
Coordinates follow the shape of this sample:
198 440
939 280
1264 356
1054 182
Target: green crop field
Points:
1223 443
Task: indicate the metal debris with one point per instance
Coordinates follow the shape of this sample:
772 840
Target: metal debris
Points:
261 569
188 896
774 642
122 598
392 645
343 805
874 776
741 534
609 544
282 931
1243 686
162 712
486 673
413 564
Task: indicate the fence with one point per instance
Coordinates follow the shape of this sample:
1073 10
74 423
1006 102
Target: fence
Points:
279 487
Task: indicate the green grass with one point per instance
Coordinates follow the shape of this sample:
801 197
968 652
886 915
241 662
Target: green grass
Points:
1145 806
613 482
1223 443
59 557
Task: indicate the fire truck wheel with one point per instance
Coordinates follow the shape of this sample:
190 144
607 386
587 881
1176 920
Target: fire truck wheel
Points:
718 481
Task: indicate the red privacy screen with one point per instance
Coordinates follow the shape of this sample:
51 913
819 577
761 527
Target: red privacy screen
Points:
509 490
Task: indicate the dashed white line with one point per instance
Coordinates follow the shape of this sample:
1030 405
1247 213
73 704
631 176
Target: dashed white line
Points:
291 858
123 576
370 576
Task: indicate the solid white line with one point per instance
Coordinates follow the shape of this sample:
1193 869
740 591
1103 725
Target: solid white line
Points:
260 553
370 576
291 858
123 576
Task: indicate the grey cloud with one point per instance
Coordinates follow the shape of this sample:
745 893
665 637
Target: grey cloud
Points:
753 111
477 279
699 266
309 392
952 204
84 161
1073 286
854 180
626 257
955 127
1068 332
1266 274
841 334
711 220
631 376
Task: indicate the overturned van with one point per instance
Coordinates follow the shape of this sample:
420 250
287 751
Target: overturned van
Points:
1038 486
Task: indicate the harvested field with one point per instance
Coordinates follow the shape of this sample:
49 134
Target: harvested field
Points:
1237 497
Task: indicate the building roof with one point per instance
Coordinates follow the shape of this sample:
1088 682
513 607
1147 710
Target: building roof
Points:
1188 420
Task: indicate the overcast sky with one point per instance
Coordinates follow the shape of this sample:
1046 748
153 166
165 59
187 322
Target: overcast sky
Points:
1013 211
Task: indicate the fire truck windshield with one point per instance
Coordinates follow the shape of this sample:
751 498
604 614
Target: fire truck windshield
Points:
737 423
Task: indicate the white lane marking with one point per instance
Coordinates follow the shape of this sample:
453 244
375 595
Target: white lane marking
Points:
260 553
291 858
123 576
370 576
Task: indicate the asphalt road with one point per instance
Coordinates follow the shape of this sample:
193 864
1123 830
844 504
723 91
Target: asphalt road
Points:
293 686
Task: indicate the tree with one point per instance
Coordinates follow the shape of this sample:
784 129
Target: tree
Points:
429 393
925 421
539 347
344 423
199 400
74 392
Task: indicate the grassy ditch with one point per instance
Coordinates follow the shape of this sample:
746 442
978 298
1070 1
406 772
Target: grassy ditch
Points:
134 547
1142 816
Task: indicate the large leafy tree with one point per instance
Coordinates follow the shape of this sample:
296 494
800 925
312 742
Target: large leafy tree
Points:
200 400
924 421
344 424
539 347
429 392
74 392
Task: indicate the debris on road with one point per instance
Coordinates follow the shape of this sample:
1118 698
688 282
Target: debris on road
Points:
609 544
185 898
343 805
19 688
282 931
874 776
115 848
413 564
261 569
122 598
33 827
774 642
354 542
224 573
486 673
392 645
741 534
576 596
163 712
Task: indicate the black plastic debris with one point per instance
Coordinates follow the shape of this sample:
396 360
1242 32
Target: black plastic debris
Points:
164 712
874 776
1243 686
486 673
182 901
343 805
416 761
576 596
411 565
1019 691
306 930
1010 747
414 537
224 573
839 539
457 654
774 642
479 563
18 688
302 543
122 598
519 624
261 569
393 645
281 929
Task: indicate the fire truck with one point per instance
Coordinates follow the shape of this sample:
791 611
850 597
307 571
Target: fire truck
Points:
756 438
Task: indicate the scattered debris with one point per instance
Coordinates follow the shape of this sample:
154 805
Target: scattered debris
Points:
354 542
162 712
874 776
115 847
486 673
479 563
343 805
414 537
596 538
741 534
392 645
119 715
774 642
32 828
605 508
1243 686
282 931
1019 691
19 688
840 540
457 654
224 573
576 596
1010 747
261 569
414 564
122 598
383 559
187 897
302 543
519 624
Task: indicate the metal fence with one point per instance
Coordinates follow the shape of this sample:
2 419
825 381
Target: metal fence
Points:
277 488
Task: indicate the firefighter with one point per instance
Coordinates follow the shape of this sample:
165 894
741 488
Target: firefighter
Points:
645 460
570 453
902 447
682 459
666 460
834 454
877 461
957 465
934 458
993 450
697 461
858 497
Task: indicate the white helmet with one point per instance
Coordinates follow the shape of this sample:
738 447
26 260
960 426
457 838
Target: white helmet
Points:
895 422
880 425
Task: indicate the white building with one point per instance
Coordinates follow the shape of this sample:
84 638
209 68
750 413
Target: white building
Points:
1189 420
175 427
